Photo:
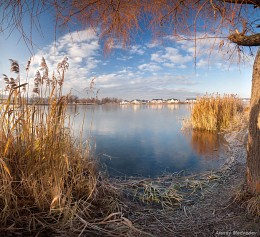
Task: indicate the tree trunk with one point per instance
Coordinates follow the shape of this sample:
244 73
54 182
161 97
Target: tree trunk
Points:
253 146
244 40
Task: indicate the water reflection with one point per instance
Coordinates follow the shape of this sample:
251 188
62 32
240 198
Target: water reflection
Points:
136 107
173 106
209 145
156 106
145 140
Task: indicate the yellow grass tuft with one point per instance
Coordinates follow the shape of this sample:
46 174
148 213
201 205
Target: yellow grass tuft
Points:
216 113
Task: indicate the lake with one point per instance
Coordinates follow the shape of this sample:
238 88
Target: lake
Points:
146 140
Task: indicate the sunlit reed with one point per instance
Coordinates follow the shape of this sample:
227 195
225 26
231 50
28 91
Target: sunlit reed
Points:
215 112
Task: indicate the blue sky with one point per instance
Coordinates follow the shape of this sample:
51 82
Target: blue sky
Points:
146 69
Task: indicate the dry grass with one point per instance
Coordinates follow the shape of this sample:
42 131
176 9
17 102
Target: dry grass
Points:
246 199
216 113
47 179
253 205
166 192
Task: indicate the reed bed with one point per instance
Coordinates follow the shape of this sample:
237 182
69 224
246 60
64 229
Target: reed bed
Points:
48 180
216 113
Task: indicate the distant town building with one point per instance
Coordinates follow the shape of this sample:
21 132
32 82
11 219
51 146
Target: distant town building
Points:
245 99
145 101
157 101
124 102
136 102
172 101
191 100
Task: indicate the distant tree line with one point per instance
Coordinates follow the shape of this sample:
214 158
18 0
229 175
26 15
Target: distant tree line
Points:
107 100
71 99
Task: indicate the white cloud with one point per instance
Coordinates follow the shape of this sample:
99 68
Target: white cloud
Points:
169 65
120 81
209 50
153 44
182 66
202 63
137 49
171 55
157 57
142 90
150 67
130 83
134 49
82 49
138 71
124 58
80 36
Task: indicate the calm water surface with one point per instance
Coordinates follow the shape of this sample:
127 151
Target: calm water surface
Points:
146 140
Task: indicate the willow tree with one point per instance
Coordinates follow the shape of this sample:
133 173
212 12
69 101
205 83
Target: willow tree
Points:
235 20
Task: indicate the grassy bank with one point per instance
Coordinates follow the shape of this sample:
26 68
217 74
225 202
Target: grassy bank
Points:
217 113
